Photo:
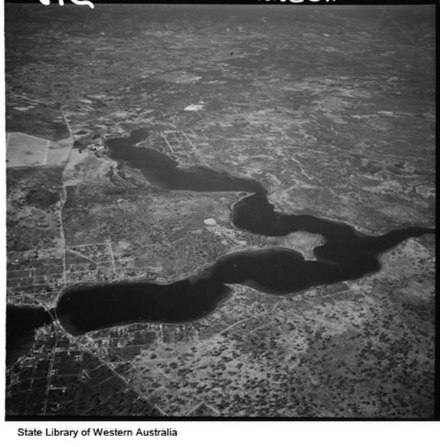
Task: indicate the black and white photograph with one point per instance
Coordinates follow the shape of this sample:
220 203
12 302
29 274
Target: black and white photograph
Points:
220 211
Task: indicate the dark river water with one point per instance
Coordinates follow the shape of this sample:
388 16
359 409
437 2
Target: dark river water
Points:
164 172
346 254
21 321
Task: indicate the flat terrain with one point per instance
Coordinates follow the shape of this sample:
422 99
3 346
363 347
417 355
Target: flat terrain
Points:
331 108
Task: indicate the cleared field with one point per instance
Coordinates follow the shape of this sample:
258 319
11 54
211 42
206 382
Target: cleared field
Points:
26 150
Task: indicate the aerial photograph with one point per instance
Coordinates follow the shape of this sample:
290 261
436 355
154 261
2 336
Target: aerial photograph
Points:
220 211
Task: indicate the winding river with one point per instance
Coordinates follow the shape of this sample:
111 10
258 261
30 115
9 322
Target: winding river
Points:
347 254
